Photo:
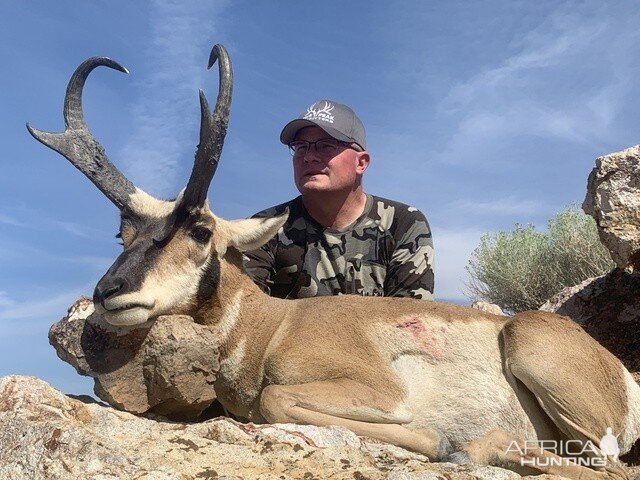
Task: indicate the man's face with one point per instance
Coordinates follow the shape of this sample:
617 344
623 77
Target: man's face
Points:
314 172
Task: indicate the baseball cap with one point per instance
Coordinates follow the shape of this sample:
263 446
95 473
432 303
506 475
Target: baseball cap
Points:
336 119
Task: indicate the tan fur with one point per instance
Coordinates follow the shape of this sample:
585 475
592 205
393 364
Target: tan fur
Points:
531 339
144 204
427 376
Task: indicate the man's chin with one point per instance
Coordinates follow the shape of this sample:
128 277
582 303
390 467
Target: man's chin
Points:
314 183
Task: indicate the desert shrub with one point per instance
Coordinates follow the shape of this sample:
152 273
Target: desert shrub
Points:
521 269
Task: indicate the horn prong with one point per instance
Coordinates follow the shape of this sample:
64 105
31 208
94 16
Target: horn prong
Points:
77 143
213 128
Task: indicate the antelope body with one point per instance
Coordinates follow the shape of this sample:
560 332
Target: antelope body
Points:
450 382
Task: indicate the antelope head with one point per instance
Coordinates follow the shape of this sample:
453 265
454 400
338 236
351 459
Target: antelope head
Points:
172 249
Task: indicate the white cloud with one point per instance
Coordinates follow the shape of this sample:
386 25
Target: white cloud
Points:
5 300
24 255
166 115
453 249
31 218
73 228
29 316
547 46
507 206
9 220
567 81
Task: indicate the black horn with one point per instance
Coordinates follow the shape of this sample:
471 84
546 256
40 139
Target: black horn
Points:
213 129
77 143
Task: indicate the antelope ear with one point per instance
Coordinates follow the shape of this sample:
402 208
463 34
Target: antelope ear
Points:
250 233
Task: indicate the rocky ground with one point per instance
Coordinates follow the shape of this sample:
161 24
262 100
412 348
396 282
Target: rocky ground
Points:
47 435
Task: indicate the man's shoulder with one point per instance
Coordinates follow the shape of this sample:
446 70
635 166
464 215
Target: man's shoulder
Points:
388 203
293 230
292 205
395 216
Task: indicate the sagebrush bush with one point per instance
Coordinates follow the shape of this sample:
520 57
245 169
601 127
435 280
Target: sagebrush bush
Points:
521 269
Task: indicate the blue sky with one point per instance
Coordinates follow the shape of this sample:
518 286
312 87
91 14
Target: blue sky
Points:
481 114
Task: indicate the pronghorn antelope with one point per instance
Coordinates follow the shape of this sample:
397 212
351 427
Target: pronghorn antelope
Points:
444 380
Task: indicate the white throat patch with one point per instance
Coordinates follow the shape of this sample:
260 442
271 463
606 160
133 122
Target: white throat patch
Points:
230 316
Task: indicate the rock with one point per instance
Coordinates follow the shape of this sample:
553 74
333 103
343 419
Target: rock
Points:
487 307
608 308
613 200
573 302
166 366
47 435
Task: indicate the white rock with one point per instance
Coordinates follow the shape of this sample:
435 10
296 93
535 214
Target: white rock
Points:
613 200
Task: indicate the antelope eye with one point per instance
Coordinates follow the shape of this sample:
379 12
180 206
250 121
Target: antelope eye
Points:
127 230
201 234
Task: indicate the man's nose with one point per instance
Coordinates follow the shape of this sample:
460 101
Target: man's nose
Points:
311 155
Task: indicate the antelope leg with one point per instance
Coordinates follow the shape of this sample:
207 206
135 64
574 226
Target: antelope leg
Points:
502 449
352 405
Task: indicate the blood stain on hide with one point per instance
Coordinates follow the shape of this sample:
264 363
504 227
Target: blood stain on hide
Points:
413 325
429 339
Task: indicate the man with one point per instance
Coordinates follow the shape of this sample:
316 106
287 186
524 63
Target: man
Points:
339 239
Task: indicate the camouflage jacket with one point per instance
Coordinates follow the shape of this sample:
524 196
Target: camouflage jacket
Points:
388 251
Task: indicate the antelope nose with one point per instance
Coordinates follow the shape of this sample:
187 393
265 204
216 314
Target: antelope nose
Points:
107 289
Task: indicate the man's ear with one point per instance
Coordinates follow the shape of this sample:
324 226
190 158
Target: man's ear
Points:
247 234
363 162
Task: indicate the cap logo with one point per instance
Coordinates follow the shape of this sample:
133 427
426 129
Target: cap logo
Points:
322 114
